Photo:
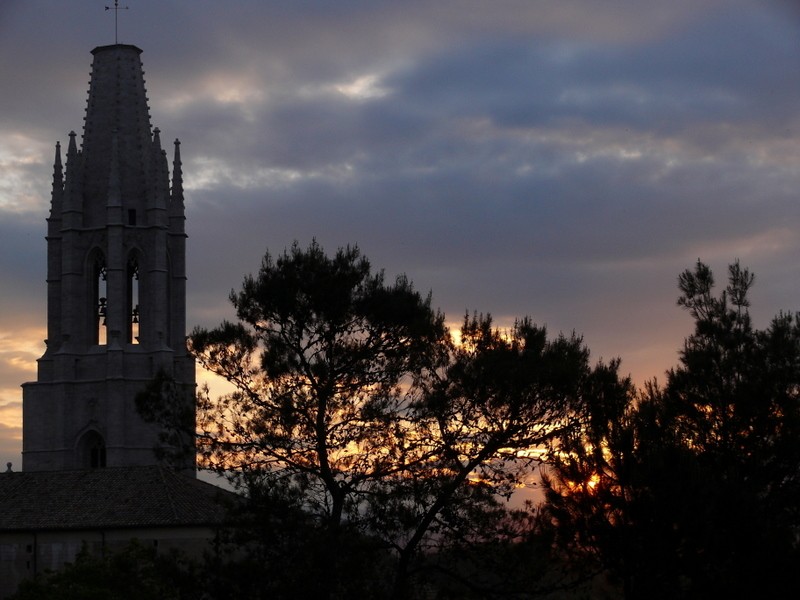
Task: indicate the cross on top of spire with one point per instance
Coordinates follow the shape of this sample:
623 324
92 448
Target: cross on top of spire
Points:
116 8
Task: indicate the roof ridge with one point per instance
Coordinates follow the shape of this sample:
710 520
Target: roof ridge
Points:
112 497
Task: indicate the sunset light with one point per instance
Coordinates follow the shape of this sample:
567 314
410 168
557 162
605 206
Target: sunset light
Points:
454 299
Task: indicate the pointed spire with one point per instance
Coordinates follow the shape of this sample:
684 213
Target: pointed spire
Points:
177 174
162 169
159 183
58 182
157 140
58 171
72 161
72 198
72 149
116 108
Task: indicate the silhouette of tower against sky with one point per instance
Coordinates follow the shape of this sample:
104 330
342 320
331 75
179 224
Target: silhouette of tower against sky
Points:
116 282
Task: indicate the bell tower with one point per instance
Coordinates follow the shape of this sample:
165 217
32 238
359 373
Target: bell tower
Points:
116 282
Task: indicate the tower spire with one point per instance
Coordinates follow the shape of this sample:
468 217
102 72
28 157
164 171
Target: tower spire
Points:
71 206
116 284
117 108
58 183
177 175
72 149
58 171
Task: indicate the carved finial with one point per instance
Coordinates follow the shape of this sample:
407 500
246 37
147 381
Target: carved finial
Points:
8 468
73 147
72 196
58 184
72 159
58 171
116 8
177 173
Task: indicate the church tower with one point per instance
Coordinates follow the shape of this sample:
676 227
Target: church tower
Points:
116 282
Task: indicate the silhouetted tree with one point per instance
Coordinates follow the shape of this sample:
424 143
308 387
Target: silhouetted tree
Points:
325 361
692 491
131 573
351 400
502 395
735 402
272 549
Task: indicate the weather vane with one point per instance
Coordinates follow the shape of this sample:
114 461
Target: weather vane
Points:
116 10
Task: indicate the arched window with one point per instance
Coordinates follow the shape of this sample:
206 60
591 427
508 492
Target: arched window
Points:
92 451
133 301
99 299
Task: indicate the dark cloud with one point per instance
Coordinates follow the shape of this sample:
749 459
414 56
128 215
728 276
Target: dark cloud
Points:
22 273
560 160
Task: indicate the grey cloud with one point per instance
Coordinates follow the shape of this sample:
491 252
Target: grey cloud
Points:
22 273
551 159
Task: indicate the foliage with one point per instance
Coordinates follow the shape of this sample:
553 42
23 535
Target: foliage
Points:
691 490
273 548
351 401
501 396
170 403
377 455
133 573
322 360
326 360
735 403
510 557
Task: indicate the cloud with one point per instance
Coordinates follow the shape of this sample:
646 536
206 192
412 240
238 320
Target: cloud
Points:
19 350
563 160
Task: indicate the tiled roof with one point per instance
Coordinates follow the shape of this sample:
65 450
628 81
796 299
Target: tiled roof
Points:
108 498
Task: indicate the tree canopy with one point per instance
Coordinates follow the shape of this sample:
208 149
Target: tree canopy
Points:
691 490
131 573
351 401
378 454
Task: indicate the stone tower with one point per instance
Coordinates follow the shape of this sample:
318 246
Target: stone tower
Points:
116 282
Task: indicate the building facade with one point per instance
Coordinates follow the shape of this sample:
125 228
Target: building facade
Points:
47 518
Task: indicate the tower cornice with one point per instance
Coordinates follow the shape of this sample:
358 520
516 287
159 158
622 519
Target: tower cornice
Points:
115 47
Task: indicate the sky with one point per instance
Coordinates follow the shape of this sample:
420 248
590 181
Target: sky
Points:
558 159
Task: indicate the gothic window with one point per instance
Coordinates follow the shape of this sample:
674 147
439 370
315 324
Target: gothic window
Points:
100 300
92 451
133 301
